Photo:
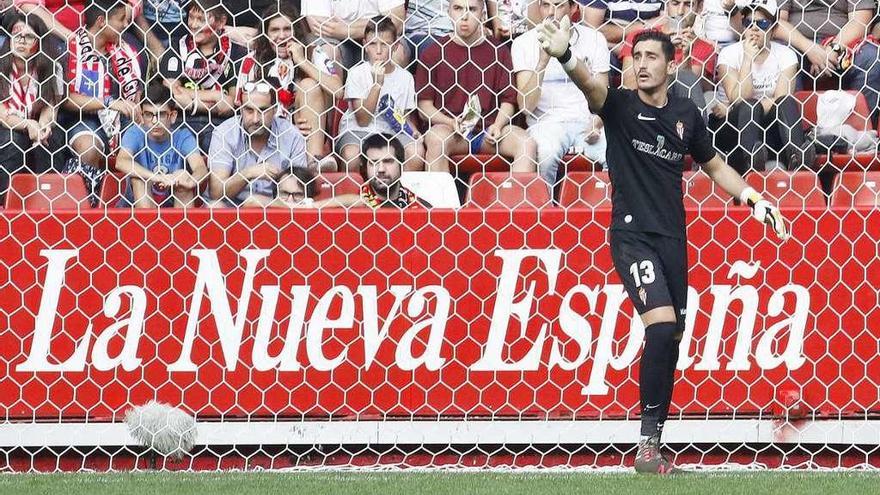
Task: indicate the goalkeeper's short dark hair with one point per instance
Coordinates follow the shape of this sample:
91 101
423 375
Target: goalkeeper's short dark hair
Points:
666 44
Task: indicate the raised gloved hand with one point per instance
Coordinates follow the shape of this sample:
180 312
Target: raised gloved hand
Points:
555 40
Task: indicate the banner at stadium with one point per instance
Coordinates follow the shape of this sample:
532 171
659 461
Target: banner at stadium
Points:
440 313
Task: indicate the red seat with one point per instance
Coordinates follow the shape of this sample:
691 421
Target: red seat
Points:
576 163
46 191
856 189
586 190
860 120
113 188
794 189
700 191
331 184
508 190
479 163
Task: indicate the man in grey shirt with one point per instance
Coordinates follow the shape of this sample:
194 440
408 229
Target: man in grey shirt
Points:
251 151
814 27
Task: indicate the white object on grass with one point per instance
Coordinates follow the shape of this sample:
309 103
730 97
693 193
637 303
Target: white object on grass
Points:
163 428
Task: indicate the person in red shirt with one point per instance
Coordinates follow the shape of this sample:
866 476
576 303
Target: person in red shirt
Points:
456 73
696 57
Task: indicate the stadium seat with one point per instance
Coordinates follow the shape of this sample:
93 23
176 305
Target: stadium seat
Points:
792 189
859 120
472 164
856 189
700 191
575 163
586 189
113 188
338 183
508 190
437 188
46 191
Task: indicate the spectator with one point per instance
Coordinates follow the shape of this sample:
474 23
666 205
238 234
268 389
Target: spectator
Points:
280 57
29 90
426 21
250 152
297 188
817 27
161 21
382 98
163 164
511 18
201 70
756 97
340 25
463 72
719 19
618 19
556 110
104 86
695 57
383 166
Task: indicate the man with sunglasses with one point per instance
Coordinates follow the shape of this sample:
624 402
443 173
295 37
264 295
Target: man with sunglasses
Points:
251 152
756 106
162 163
649 133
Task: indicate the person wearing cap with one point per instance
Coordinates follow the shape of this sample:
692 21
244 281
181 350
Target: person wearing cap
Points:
755 97
201 69
695 57
832 36
251 152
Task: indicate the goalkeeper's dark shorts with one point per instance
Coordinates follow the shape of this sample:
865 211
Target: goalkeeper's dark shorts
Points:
653 269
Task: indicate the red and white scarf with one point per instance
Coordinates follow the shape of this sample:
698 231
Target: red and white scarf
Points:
84 63
21 100
205 71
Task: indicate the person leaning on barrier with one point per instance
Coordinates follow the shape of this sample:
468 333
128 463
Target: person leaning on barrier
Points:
251 151
381 168
29 91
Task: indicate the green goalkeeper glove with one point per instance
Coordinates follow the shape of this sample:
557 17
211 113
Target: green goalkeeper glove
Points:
765 212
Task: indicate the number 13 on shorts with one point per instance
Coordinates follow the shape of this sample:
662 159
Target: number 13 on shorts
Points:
642 272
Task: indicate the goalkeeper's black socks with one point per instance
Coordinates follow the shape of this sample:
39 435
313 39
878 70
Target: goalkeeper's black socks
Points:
656 373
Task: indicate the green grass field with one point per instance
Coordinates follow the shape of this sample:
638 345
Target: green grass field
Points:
239 483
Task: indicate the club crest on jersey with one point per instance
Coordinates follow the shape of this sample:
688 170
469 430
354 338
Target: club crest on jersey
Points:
679 128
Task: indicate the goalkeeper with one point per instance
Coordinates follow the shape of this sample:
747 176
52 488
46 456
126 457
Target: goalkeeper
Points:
649 133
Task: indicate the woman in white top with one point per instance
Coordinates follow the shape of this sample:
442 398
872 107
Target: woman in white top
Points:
756 105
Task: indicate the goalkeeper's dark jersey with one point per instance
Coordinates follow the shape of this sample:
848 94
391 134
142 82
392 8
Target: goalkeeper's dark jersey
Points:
646 150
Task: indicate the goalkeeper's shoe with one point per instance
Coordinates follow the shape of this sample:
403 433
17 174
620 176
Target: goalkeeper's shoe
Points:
649 459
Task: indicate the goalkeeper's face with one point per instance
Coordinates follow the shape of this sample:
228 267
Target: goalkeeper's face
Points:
383 170
651 66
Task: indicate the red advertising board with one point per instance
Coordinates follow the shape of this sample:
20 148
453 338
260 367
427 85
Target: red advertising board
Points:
440 313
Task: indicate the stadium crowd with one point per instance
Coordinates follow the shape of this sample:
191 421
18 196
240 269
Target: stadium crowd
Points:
249 102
